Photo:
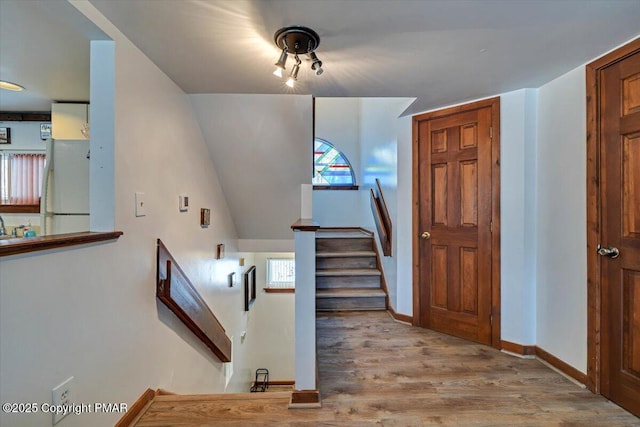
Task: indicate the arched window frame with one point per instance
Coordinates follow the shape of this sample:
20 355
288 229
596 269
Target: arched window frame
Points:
344 162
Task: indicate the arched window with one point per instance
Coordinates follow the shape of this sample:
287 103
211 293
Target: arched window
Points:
331 167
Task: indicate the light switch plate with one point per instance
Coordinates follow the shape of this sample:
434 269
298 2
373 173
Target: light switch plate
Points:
184 203
140 205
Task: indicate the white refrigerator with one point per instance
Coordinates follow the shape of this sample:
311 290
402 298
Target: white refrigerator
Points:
65 192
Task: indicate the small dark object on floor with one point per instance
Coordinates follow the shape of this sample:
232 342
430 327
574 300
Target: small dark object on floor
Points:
262 381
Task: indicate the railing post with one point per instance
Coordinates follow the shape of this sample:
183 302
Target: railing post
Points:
305 393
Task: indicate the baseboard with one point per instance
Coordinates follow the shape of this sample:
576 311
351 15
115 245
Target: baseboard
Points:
305 399
548 358
519 349
137 409
284 382
561 366
400 317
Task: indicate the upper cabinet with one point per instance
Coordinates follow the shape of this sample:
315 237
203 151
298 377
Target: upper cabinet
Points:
69 120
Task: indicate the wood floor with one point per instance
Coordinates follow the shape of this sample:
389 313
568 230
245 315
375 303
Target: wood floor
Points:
377 372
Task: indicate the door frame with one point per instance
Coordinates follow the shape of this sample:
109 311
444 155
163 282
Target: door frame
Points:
494 103
594 303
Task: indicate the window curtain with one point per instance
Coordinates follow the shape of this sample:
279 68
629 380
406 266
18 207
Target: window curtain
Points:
25 182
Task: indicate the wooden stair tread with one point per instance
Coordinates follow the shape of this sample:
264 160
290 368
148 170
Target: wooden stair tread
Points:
350 292
339 254
343 234
348 272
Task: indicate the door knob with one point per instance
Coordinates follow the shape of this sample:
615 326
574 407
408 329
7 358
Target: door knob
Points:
611 252
426 235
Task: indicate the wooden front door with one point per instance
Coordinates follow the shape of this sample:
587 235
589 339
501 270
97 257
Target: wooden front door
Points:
456 194
619 94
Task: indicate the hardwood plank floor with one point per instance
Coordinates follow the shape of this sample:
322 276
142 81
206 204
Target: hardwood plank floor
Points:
377 372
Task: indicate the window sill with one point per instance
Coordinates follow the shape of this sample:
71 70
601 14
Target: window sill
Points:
335 187
20 208
280 290
21 245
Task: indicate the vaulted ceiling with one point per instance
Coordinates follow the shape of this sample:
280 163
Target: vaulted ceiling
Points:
439 51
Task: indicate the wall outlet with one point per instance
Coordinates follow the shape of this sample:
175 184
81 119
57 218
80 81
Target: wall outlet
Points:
61 396
140 205
184 203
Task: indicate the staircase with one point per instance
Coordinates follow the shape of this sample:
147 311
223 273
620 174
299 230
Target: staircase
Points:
347 274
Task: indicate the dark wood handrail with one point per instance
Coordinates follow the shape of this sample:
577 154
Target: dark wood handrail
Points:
22 245
176 292
305 225
382 219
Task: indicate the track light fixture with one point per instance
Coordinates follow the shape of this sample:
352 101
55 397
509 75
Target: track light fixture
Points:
296 41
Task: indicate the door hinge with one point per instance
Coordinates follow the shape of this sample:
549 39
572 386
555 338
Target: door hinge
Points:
491 226
491 320
491 132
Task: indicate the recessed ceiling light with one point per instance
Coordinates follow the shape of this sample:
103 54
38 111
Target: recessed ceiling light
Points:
10 86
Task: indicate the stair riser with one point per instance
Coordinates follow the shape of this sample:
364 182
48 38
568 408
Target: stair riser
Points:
347 304
333 282
327 245
346 262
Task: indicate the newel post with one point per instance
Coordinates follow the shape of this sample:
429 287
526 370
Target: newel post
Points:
305 394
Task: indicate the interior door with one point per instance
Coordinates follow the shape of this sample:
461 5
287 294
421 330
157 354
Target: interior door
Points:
454 220
620 236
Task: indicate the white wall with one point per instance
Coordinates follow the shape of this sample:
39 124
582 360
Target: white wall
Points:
561 219
338 120
24 136
404 228
272 337
517 220
91 311
379 131
261 146
365 130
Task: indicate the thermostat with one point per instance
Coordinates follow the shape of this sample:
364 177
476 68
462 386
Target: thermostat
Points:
184 203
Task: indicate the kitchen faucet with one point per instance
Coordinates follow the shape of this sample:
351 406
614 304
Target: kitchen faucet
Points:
3 231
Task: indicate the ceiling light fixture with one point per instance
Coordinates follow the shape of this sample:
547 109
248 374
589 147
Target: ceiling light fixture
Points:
296 40
10 86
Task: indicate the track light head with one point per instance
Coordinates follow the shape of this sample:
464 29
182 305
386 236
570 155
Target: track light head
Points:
293 77
316 65
281 64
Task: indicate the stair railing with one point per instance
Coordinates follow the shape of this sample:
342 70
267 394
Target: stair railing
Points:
382 219
175 290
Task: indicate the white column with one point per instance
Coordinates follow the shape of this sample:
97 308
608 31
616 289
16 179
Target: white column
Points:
305 330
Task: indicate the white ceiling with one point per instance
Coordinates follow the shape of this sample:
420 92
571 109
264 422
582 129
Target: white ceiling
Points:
44 46
438 51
